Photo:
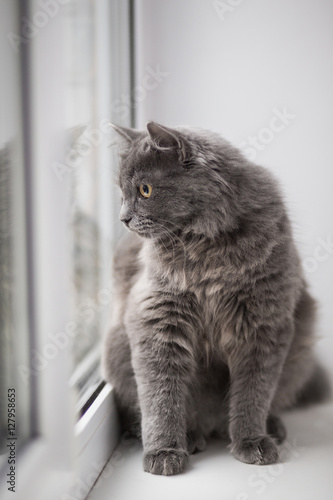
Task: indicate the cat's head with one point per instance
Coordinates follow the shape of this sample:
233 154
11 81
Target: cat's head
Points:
175 181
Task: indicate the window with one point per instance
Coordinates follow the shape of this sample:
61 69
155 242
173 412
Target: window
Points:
89 182
14 322
68 74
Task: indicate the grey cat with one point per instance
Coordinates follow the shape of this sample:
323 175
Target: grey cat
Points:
212 330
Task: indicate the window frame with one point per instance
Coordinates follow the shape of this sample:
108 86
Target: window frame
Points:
62 453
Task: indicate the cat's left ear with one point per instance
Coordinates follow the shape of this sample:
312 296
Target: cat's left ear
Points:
129 134
166 138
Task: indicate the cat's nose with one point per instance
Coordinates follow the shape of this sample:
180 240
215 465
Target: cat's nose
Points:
126 220
126 213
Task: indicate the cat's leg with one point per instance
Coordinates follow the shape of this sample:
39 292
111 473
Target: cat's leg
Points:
164 364
118 371
255 368
213 404
276 429
303 380
196 441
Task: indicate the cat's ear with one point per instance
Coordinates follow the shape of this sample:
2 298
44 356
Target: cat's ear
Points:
164 137
130 134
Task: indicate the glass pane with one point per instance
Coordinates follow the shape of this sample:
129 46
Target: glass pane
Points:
89 173
80 87
15 371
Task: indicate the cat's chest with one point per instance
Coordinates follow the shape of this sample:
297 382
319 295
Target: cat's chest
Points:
212 304
209 277
213 301
214 294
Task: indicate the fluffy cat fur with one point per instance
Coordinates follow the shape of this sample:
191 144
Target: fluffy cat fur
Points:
212 329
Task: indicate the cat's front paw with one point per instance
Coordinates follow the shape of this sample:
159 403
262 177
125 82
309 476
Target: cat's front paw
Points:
165 462
260 451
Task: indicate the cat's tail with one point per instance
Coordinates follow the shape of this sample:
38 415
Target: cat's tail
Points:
316 390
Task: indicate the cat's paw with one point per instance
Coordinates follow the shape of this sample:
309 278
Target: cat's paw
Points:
165 462
260 451
276 428
195 442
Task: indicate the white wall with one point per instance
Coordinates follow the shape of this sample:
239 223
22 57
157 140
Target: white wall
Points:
228 72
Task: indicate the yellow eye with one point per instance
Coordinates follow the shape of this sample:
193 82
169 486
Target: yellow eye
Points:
145 190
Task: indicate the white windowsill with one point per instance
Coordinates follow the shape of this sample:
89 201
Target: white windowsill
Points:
96 436
304 474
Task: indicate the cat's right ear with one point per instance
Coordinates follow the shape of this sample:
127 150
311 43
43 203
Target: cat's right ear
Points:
165 137
130 134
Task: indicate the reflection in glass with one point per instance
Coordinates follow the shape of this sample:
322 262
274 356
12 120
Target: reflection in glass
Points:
89 179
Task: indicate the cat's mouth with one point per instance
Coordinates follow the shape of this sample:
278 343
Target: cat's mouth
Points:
144 232
147 228
144 228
